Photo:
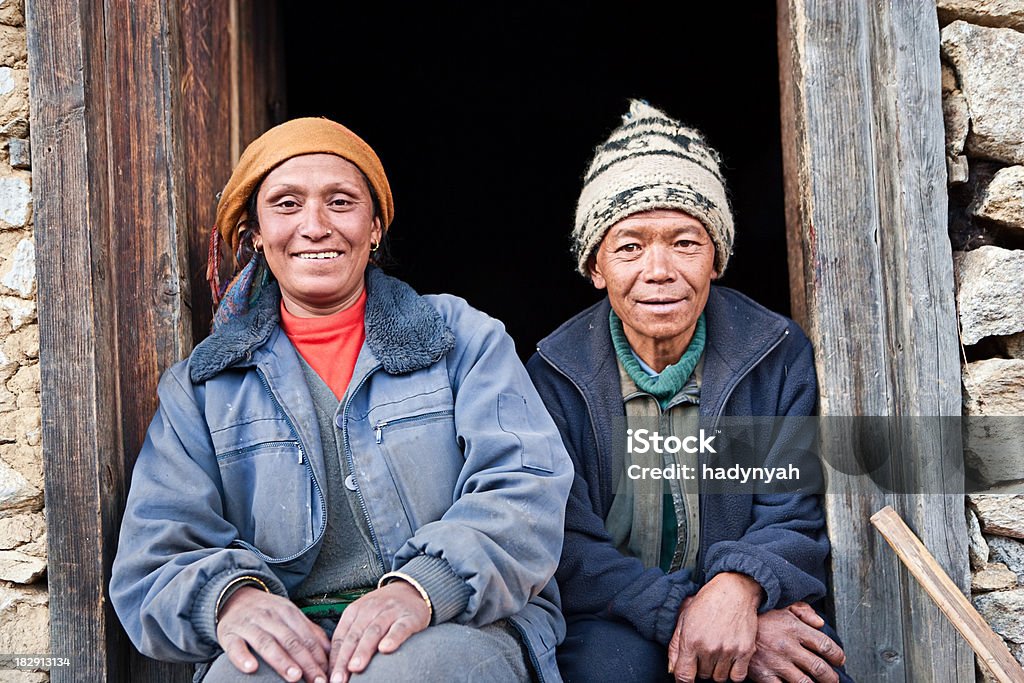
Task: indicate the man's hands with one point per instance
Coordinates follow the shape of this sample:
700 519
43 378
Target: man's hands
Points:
720 630
790 647
380 621
298 650
277 631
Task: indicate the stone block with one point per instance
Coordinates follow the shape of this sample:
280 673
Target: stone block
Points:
949 83
993 387
958 171
13 102
990 292
1004 612
1010 552
988 63
20 270
19 153
12 12
19 567
20 426
15 201
1002 200
18 312
17 494
993 577
27 461
23 345
958 122
24 619
995 13
977 548
13 46
21 529
993 404
1002 515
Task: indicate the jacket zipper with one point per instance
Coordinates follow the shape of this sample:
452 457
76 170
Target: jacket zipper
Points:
379 428
725 399
236 451
303 461
352 467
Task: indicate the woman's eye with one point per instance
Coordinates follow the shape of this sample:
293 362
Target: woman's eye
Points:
287 204
340 202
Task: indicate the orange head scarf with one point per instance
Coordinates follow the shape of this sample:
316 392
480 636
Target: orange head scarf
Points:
280 143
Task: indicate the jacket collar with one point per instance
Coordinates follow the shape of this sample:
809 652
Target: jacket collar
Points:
403 330
739 333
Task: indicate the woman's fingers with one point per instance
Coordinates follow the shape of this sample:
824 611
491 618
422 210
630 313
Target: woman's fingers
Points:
253 620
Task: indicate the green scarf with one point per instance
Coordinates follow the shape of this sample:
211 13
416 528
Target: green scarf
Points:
672 379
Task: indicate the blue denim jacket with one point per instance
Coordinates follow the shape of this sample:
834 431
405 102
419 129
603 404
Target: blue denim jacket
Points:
453 453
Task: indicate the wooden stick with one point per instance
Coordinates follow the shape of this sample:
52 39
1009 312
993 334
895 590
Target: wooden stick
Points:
989 647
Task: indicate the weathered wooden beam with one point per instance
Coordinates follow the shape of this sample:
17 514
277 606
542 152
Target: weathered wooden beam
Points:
873 286
81 432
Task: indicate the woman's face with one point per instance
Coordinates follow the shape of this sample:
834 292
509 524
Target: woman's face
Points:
316 225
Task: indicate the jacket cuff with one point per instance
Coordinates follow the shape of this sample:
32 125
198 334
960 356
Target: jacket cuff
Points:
753 567
448 593
668 614
218 589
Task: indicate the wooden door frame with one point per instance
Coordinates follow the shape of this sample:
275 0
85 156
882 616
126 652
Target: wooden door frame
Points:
139 109
872 284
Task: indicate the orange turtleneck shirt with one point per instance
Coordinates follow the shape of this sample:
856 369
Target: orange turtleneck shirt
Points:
329 344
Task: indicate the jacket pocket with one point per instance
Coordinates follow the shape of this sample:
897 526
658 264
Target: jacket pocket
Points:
424 459
515 418
267 497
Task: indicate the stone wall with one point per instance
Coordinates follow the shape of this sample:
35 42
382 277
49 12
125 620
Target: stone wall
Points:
983 101
24 619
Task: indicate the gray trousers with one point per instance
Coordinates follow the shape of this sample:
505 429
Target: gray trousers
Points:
446 652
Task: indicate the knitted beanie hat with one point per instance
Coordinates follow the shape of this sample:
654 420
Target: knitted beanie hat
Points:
652 162
291 139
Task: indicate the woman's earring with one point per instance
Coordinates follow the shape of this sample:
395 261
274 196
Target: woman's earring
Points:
257 247
374 247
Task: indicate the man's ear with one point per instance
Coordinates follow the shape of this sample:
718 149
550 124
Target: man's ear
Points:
595 272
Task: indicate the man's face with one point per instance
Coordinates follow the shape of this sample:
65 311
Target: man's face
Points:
657 267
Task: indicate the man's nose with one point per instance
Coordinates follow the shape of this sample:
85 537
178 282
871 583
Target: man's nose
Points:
658 264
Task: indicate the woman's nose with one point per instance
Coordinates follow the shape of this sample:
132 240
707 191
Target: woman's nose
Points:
315 225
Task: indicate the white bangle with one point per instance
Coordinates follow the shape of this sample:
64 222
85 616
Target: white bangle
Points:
393 576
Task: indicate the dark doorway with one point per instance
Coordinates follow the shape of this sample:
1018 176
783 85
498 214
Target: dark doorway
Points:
485 116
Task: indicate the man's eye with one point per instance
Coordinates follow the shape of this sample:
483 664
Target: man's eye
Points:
630 248
685 244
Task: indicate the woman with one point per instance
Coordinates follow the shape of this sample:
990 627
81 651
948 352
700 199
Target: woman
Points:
346 479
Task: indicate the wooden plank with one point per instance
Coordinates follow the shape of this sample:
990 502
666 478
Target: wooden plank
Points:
990 648
80 426
202 115
866 221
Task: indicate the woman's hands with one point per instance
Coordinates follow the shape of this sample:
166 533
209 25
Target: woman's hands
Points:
277 631
719 641
253 620
380 621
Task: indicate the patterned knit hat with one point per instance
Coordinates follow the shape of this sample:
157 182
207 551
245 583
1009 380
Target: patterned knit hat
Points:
652 162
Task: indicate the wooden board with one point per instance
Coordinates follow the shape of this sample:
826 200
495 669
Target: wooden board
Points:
132 135
873 287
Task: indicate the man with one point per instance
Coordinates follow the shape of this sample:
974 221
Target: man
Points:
673 578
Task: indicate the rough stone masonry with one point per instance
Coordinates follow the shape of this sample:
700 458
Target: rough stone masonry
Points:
982 44
24 618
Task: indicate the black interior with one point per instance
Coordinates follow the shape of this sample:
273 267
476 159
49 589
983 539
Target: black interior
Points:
485 116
